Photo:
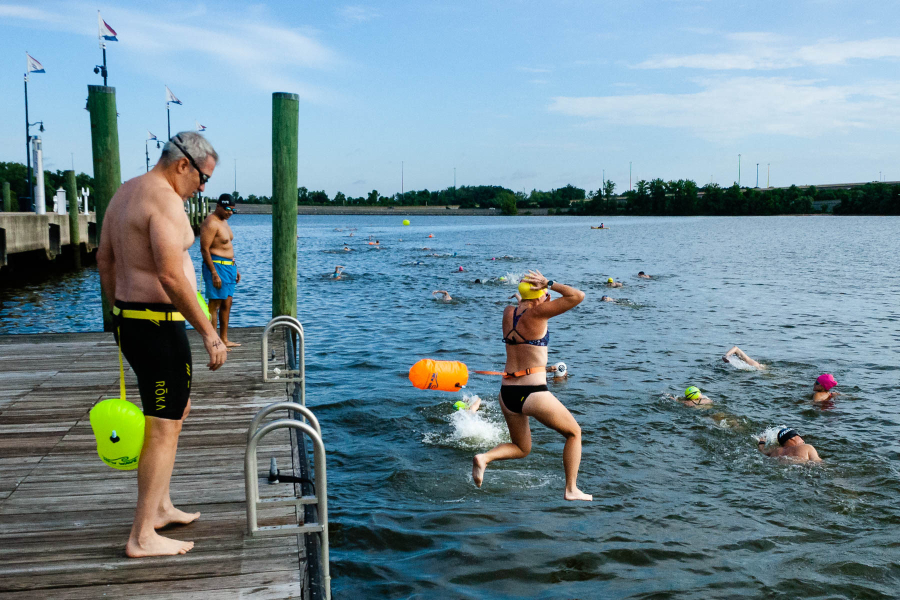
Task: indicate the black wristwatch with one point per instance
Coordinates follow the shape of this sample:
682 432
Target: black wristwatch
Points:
761 443
550 283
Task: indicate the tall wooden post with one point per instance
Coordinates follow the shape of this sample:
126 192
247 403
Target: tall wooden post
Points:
285 153
74 230
7 198
107 171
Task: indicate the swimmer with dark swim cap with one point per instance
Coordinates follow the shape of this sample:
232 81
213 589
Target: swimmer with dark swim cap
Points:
823 386
643 275
791 446
606 299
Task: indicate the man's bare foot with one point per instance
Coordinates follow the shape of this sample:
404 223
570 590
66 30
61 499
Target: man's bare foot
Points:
156 545
173 516
230 344
577 494
478 467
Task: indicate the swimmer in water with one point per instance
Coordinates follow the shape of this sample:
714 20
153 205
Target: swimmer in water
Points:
822 388
524 392
607 299
337 272
743 357
791 446
477 281
346 248
613 283
643 275
693 397
472 408
446 294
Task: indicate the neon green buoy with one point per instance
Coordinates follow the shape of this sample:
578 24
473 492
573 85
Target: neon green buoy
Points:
203 305
406 221
119 428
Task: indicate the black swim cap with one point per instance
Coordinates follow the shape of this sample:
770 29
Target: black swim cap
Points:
785 434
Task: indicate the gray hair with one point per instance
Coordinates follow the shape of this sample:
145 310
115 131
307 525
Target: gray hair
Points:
195 144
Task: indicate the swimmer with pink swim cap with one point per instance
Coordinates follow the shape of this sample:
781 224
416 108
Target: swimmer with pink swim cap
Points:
823 386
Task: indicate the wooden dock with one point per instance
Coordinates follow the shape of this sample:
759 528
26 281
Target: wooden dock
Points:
65 516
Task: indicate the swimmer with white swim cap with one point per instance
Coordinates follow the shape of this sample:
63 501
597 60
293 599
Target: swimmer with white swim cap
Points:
791 446
524 392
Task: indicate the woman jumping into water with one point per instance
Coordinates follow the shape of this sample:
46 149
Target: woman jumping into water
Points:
523 392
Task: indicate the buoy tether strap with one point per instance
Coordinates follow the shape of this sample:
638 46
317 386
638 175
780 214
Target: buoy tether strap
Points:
121 365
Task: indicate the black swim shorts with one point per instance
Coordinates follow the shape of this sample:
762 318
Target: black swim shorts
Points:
160 355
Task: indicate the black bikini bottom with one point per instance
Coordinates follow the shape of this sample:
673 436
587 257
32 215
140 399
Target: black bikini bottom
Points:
514 396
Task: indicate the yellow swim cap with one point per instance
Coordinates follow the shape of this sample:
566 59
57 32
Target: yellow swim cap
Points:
527 293
692 393
610 280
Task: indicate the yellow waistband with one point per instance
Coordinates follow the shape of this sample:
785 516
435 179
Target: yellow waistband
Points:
224 262
148 315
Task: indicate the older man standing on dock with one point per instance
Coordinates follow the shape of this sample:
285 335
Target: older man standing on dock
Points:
148 277
220 272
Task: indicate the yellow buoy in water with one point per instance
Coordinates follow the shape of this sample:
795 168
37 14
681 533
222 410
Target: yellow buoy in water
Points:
406 221
119 428
444 375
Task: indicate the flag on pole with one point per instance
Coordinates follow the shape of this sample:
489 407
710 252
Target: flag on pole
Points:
200 127
32 65
106 32
170 97
151 137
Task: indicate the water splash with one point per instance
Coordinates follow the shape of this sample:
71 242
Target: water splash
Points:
740 365
472 431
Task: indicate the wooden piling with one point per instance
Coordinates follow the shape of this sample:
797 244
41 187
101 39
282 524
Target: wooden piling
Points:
72 201
107 171
7 198
285 147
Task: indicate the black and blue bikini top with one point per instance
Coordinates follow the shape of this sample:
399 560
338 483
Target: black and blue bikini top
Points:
544 341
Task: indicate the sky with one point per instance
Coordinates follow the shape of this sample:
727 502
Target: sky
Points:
527 95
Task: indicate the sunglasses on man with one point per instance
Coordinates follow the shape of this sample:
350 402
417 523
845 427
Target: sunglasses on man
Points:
203 176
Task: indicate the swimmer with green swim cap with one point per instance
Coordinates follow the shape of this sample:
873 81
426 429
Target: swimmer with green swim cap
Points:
461 405
694 397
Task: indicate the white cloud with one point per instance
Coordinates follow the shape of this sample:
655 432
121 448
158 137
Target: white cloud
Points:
766 51
358 13
726 109
257 50
532 70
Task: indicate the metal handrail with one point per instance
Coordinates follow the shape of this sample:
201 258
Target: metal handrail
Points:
290 376
251 482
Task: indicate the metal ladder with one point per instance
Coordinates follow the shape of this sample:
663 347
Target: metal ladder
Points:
295 375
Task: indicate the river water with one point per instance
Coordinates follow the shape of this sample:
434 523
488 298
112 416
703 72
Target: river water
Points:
684 505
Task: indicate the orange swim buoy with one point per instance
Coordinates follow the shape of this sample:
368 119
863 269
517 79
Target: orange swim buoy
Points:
444 375
430 235
371 243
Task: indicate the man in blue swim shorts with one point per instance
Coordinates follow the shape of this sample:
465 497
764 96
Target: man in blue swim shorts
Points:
220 273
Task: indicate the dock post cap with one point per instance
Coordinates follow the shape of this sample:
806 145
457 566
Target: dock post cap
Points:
102 89
286 96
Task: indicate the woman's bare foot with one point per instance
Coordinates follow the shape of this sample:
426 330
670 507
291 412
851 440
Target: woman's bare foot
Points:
230 344
173 516
156 545
577 494
478 467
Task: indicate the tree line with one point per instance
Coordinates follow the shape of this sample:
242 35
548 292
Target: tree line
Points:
17 175
656 197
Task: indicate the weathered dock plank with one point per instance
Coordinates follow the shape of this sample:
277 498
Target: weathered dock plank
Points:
65 516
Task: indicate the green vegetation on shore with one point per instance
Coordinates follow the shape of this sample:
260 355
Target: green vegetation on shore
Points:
656 197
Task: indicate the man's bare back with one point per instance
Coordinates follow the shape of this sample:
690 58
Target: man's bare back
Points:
128 220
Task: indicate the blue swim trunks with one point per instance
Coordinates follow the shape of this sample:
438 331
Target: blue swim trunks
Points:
227 273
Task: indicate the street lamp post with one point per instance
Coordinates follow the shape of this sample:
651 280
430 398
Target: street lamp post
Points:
757 175
739 170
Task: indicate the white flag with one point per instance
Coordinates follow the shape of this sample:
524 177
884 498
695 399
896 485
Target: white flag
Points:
106 32
170 97
150 136
32 65
200 127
